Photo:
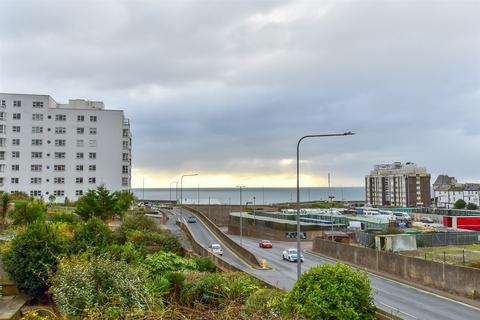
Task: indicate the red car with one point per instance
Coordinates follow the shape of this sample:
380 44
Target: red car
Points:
265 244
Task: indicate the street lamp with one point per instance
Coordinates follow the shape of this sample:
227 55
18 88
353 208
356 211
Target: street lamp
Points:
254 210
241 216
181 185
299 262
176 185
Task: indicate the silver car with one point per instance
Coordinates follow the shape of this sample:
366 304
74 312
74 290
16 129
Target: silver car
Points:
291 255
215 248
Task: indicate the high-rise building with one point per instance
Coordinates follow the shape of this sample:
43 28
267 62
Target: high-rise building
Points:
53 150
397 184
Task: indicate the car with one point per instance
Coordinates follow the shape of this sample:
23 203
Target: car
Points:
426 220
265 244
192 219
215 248
291 255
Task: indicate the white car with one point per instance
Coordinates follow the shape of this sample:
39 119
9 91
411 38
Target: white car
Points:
216 249
291 255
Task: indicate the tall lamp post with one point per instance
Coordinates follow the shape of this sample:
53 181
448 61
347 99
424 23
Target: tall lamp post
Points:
241 216
176 185
181 185
299 262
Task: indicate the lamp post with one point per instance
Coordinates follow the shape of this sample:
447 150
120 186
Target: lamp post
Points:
254 211
299 262
181 185
176 184
241 216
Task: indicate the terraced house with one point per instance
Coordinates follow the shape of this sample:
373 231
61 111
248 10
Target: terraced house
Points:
53 150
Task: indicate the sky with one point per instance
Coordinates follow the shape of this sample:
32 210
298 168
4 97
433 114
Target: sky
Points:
226 88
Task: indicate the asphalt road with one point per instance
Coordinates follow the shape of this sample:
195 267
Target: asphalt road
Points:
399 299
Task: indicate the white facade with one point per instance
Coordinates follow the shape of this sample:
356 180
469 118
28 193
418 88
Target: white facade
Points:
47 148
447 191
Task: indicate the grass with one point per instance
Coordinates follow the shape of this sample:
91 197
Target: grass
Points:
468 255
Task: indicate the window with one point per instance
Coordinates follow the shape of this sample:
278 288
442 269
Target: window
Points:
35 193
92 143
92 180
60 130
3 128
79 155
125 145
59 180
79 180
2 168
60 117
17 103
3 104
92 155
35 180
37 129
15 154
93 118
92 167
125 156
3 115
59 155
16 129
93 131
38 104
15 167
3 142
36 167
2 155
17 116
37 116
1 182
79 143
36 155
14 180
58 193
37 142
80 130
80 118
125 182
124 169
78 192
79 167
125 133
60 143
59 167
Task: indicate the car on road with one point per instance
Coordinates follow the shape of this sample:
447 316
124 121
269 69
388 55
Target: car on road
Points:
192 219
291 255
215 248
426 220
265 244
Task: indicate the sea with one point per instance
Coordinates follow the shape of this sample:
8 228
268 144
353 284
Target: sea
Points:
257 195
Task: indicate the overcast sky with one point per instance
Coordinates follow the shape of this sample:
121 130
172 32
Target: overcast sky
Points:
226 88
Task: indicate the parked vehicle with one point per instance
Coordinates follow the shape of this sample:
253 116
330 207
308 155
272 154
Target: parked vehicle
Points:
426 220
192 219
265 244
291 255
215 248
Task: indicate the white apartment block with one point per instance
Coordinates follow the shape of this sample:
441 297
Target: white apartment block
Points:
447 191
48 148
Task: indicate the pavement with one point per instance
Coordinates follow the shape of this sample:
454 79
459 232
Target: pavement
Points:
396 298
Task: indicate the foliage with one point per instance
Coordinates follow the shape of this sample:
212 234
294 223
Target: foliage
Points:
460 204
126 252
332 292
205 264
472 206
135 223
19 195
92 235
265 304
125 200
162 262
64 216
150 242
5 203
32 257
98 203
391 230
28 211
113 286
218 290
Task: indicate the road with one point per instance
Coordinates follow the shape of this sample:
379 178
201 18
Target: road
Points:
399 299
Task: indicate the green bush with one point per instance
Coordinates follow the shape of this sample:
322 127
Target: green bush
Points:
332 292
93 235
205 264
136 223
460 204
113 286
126 252
162 262
472 206
33 255
265 304
25 212
64 216
98 203
150 242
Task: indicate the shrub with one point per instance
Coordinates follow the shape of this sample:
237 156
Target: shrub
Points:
64 216
113 286
460 204
92 235
265 304
126 252
136 223
32 257
472 206
332 292
98 203
150 242
162 262
205 264
29 211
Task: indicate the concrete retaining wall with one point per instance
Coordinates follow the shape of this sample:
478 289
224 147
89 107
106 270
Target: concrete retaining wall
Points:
454 279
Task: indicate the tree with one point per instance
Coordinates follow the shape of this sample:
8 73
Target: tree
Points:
472 206
460 204
32 257
4 206
25 212
98 203
93 234
125 200
332 292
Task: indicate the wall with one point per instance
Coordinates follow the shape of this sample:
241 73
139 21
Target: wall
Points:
455 279
219 214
